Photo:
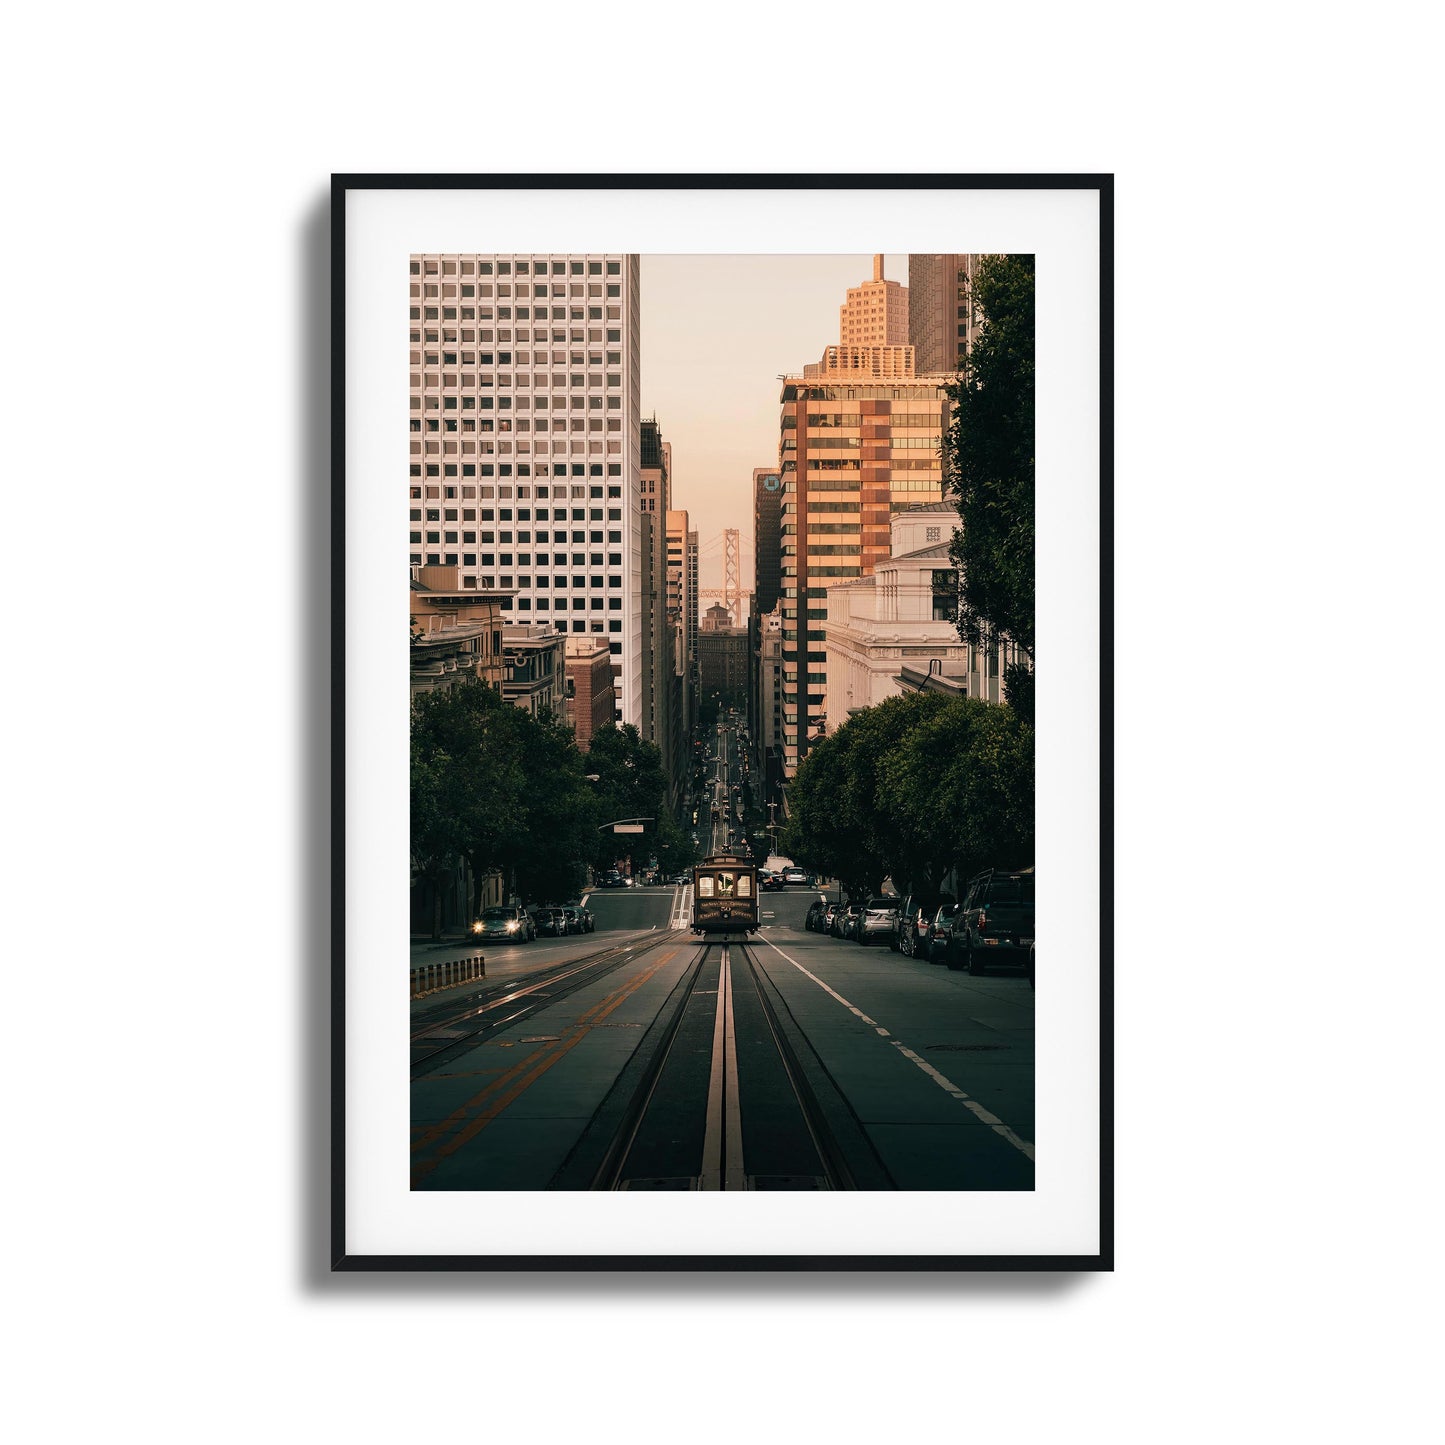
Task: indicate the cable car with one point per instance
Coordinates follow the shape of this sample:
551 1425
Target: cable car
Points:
725 895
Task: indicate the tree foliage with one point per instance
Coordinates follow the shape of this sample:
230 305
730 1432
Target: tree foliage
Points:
988 458
912 789
468 777
630 784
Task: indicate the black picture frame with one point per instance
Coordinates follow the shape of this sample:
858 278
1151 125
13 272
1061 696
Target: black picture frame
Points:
342 1257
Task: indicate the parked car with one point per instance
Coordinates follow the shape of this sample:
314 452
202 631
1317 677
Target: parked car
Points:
583 913
878 922
1031 965
852 918
505 924
816 911
551 921
574 920
795 876
770 882
830 912
915 922
940 931
996 925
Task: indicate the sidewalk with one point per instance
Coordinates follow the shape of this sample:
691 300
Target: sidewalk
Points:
425 950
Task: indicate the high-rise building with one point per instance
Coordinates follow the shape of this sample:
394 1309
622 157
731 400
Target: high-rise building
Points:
661 689
691 618
875 313
655 466
853 451
767 538
942 319
681 602
525 440
768 725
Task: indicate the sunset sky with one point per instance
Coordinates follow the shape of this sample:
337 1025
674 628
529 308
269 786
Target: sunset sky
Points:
716 333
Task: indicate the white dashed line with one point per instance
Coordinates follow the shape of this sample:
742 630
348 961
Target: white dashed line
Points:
947 1085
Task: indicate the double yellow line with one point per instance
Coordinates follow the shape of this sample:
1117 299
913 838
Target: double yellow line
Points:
483 1107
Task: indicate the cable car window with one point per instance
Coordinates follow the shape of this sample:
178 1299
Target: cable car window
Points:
704 886
745 886
725 885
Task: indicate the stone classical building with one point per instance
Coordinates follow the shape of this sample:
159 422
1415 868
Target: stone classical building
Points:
534 673
454 633
892 632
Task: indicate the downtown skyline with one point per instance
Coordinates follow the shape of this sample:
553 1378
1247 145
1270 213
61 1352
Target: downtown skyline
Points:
717 332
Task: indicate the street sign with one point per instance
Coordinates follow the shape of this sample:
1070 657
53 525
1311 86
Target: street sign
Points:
627 827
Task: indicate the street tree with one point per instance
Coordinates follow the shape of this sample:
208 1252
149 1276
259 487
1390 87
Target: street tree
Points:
964 779
988 462
468 780
559 822
826 830
630 784
893 827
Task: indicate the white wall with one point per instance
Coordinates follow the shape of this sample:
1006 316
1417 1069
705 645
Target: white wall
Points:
166 249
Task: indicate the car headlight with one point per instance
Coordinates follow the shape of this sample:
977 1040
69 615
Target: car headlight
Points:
512 925
478 926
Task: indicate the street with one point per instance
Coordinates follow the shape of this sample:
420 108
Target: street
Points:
638 1057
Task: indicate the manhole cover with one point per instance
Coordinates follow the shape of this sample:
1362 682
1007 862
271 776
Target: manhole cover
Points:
786 1181
541 1039
445 1034
636 1184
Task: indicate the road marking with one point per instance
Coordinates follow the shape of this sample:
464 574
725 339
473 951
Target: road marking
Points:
521 1076
722 1146
972 1105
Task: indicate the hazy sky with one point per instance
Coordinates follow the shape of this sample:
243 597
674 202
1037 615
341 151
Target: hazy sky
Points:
716 333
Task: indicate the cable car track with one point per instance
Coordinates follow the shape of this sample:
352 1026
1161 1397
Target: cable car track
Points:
723 1093
453 1034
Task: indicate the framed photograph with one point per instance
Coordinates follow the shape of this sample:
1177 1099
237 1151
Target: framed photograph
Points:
757 655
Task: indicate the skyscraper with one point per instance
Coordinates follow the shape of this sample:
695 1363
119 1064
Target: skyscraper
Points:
853 450
875 313
767 538
942 319
681 605
525 440
661 692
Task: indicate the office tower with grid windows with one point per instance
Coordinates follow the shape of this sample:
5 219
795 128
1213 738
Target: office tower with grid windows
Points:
525 441
942 319
855 449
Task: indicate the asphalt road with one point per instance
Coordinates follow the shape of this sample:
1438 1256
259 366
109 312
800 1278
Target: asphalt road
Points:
926 1075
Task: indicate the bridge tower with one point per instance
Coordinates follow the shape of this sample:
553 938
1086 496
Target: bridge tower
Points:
732 573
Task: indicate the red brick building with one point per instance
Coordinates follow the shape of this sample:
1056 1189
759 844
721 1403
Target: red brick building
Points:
590 695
